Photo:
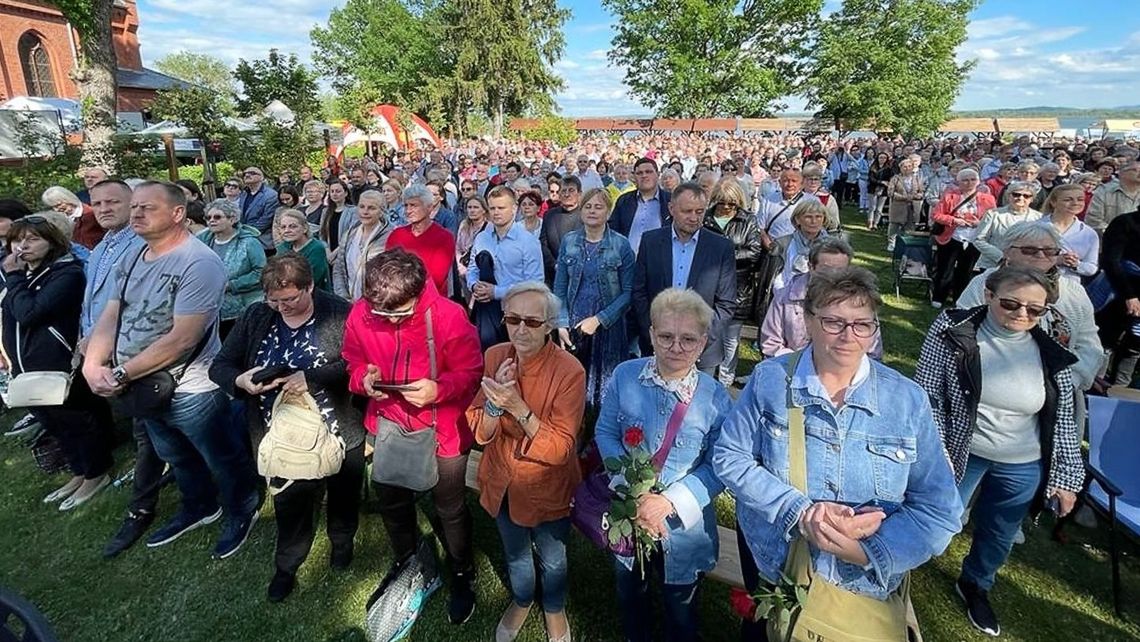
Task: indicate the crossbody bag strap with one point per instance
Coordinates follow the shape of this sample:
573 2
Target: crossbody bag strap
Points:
431 359
797 433
772 221
671 430
962 203
122 299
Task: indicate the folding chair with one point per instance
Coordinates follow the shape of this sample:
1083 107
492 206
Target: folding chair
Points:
913 260
21 621
1114 449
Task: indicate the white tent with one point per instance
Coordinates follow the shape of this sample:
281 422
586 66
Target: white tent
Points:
168 127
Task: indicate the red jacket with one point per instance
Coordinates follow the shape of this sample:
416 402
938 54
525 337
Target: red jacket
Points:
942 212
86 230
435 247
996 185
400 351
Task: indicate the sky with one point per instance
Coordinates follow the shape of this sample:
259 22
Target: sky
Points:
1029 53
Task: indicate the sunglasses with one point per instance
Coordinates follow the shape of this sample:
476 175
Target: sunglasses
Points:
233 185
217 217
1027 250
1020 195
1031 309
513 320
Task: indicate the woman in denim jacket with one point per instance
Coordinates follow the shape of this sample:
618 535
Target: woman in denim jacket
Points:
642 396
594 278
871 442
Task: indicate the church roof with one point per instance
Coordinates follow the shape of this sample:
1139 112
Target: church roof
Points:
148 79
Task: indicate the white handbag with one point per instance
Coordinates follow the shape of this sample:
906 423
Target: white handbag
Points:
38 389
298 444
47 388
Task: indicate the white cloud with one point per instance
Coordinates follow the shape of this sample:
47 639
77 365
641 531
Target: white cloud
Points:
996 27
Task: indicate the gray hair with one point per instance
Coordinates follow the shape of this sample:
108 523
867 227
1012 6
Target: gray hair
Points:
1031 186
227 207
553 304
852 283
1050 166
418 192
56 195
669 171
829 245
967 173
681 301
1030 232
373 195
296 215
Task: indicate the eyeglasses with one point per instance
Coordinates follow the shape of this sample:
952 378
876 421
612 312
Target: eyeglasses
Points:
512 319
216 217
728 206
687 342
395 314
286 301
861 329
1021 195
250 174
233 185
1027 250
1031 309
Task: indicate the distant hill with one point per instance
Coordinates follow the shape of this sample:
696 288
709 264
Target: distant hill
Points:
1132 111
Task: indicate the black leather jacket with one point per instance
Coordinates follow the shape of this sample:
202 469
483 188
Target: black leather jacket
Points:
744 233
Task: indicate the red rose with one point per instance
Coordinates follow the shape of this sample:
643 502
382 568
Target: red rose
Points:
742 604
634 436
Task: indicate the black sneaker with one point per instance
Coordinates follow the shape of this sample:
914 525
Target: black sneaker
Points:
281 586
179 525
130 531
340 557
462 603
978 607
234 533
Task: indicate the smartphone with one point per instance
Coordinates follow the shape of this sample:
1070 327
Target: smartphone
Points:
271 373
873 505
392 387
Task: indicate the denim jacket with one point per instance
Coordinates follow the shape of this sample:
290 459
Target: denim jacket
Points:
615 274
691 547
882 444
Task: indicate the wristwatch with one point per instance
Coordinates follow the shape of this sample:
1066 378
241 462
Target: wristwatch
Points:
525 418
120 374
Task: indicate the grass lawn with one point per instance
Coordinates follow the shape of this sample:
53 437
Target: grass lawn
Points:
1047 591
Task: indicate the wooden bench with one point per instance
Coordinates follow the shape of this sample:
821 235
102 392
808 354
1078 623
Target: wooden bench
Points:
728 563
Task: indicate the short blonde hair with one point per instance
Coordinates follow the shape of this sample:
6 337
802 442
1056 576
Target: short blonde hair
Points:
728 190
808 206
681 301
598 192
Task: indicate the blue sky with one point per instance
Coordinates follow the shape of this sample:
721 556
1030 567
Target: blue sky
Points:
1072 54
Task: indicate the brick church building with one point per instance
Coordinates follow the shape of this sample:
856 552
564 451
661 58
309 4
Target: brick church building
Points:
38 49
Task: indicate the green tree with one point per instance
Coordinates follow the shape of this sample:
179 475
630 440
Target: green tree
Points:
901 75
197 109
203 70
278 77
94 76
560 131
707 58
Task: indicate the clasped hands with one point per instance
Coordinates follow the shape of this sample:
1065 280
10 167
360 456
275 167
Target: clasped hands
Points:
294 383
502 390
837 529
653 510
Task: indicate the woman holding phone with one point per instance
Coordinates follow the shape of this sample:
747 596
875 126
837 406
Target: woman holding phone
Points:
291 343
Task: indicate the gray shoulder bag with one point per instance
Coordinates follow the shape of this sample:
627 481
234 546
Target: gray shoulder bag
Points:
406 458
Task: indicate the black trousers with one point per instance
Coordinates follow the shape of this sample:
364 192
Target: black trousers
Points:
83 428
296 507
149 469
953 269
749 631
398 510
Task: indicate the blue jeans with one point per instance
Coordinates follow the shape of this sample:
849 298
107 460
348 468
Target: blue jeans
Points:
521 545
1005 492
203 448
679 601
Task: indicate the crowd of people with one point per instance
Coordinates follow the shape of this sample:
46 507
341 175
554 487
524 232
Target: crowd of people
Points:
557 305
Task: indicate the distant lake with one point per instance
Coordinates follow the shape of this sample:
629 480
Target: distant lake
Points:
1077 122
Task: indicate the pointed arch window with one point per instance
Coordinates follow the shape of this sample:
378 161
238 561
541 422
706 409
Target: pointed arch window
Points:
37 66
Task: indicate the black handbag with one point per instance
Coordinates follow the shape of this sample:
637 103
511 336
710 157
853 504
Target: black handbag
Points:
149 396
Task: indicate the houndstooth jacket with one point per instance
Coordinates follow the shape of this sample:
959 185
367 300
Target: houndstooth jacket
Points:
949 370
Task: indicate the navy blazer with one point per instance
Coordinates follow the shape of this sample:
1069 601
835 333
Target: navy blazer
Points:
713 276
626 208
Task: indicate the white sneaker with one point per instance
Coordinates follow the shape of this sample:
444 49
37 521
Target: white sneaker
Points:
891 245
1019 536
937 305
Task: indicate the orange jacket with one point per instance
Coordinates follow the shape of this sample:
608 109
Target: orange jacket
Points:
537 475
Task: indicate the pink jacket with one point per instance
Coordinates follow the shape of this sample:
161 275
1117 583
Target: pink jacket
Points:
942 212
784 329
400 351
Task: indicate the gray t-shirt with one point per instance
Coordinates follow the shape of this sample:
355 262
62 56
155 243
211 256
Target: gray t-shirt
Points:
1013 393
188 280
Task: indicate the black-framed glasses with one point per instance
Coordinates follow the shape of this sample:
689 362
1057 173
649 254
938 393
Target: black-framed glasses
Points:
514 319
864 329
233 185
1020 195
667 340
1031 309
1029 250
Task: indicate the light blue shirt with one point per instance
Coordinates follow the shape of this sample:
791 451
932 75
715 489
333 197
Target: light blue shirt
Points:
647 217
518 257
98 270
683 258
